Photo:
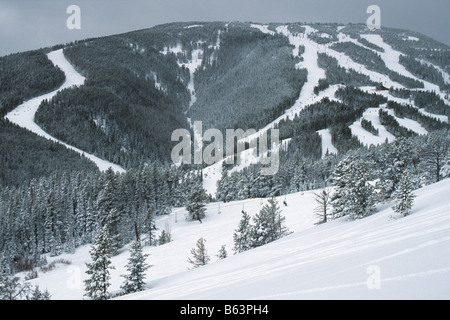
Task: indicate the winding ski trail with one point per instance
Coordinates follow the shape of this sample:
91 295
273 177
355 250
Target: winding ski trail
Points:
24 114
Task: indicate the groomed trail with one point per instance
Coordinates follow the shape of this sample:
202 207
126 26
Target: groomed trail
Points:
24 114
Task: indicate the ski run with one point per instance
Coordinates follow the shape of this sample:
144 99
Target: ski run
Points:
307 96
23 115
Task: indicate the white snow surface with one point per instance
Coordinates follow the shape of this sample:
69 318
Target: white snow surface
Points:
327 144
367 138
383 256
23 115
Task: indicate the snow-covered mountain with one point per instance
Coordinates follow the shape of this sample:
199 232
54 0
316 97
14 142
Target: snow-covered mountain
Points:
233 75
332 90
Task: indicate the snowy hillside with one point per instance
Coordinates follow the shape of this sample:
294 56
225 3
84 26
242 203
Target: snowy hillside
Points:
24 114
309 62
383 256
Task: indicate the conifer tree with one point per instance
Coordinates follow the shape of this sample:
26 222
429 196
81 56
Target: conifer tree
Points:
196 202
269 224
96 286
37 294
354 195
242 237
134 280
200 255
222 253
436 153
11 288
165 236
396 159
404 195
150 226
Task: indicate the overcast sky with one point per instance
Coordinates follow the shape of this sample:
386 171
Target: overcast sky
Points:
32 24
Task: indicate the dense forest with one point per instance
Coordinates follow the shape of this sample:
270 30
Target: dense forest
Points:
58 213
250 83
425 156
25 156
26 75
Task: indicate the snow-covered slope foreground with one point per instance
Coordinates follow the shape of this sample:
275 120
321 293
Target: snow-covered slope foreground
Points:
24 114
384 256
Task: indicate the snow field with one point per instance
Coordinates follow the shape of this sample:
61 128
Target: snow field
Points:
366 137
384 256
327 145
380 257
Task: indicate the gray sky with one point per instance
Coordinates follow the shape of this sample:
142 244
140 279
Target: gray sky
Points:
32 24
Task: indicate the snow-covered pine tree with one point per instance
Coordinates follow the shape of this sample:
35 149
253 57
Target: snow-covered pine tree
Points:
222 184
200 255
395 159
96 286
196 202
112 223
404 195
436 153
269 224
150 226
37 294
242 237
354 195
134 280
222 253
11 288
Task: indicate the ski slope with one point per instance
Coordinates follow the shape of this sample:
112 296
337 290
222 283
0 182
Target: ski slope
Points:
307 97
384 256
367 138
24 114
327 144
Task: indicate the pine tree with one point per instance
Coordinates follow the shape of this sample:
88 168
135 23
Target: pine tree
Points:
269 224
10 287
200 255
354 195
404 195
436 152
134 280
96 286
166 235
196 202
242 237
150 226
37 294
112 223
396 158
222 253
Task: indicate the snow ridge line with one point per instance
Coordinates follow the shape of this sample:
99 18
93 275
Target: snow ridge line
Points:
24 114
